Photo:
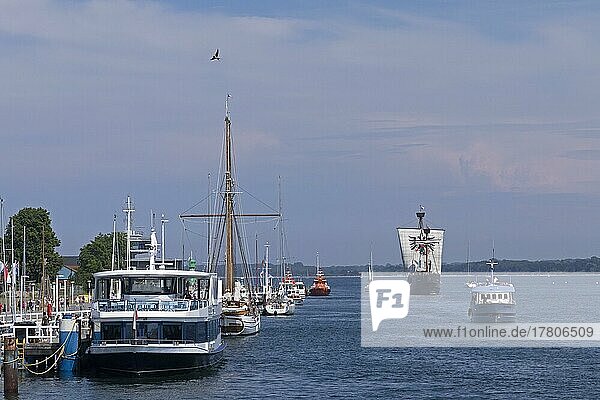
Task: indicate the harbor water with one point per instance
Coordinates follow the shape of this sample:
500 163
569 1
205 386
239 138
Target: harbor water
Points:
317 353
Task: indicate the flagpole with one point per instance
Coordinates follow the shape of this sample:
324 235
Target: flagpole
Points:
12 265
23 272
3 247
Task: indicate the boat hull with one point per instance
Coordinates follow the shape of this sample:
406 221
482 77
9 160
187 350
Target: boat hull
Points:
240 325
143 360
424 283
280 309
319 292
492 313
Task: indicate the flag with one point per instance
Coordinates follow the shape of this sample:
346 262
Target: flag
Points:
135 317
4 270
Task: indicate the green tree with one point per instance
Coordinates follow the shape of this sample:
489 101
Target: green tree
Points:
38 226
96 256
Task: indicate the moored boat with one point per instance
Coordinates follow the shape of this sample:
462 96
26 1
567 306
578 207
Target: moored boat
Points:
154 320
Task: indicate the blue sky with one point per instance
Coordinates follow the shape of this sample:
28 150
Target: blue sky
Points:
483 112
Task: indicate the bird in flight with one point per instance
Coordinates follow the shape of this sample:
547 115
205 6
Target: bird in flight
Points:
215 56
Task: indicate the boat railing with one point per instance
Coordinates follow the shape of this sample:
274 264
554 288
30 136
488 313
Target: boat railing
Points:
158 305
143 341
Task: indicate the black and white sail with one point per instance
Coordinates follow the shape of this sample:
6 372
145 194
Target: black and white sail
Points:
422 247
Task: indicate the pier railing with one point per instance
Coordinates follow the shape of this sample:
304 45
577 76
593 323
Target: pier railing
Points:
37 317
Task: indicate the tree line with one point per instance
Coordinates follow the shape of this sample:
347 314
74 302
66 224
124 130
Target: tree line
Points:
32 227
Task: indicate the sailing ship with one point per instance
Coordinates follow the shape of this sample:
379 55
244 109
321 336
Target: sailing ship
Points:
153 320
492 300
241 315
320 287
421 250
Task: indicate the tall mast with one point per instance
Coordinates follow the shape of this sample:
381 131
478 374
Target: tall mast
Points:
13 274
114 243
281 242
24 258
424 235
43 270
267 290
23 272
128 211
229 258
208 232
3 245
2 228
163 221
371 265
317 262
492 263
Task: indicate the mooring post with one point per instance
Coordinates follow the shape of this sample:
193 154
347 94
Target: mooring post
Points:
11 379
69 338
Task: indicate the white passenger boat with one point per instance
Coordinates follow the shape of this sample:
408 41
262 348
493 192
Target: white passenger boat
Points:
492 300
154 320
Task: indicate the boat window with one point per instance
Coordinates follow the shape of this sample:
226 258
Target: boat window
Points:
213 329
189 331
139 285
203 286
128 330
111 331
171 331
494 296
201 333
115 289
148 330
102 289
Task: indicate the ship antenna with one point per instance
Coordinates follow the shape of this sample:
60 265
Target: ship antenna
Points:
128 211
163 221
492 262
227 105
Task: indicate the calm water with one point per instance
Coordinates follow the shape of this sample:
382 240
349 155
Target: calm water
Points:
317 353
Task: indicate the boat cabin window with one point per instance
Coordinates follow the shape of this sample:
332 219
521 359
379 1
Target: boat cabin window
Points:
111 331
142 286
157 331
171 331
102 289
147 330
195 288
107 288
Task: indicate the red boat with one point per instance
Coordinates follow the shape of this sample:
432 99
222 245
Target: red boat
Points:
319 286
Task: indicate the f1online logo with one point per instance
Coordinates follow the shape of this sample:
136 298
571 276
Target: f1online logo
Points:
389 299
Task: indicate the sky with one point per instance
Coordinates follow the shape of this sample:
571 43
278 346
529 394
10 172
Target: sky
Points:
483 112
